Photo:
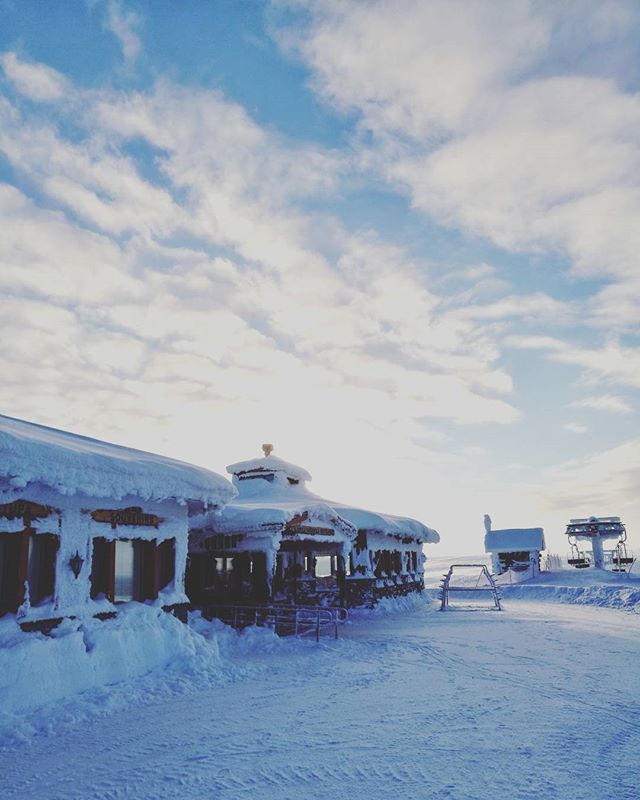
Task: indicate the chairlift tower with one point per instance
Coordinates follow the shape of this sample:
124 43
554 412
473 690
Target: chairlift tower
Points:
595 530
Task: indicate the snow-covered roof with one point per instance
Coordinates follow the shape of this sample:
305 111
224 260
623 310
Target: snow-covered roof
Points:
33 454
263 504
269 463
514 540
272 500
387 523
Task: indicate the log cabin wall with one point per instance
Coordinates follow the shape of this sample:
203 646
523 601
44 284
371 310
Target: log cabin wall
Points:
58 555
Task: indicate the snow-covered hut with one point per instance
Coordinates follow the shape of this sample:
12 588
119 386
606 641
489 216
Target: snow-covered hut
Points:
86 525
387 557
279 542
515 548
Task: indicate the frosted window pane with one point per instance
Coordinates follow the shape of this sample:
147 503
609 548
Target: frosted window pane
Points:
124 572
323 567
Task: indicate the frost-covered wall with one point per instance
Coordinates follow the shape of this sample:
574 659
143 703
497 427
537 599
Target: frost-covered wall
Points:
275 514
68 491
71 521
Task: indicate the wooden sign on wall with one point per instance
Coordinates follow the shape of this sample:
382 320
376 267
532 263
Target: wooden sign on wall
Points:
309 530
21 509
126 516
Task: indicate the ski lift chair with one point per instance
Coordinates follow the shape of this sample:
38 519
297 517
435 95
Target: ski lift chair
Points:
578 558
621 559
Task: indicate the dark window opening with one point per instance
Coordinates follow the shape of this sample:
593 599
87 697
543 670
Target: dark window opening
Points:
508 559
267 476
11 589
43 550
27 558
293 481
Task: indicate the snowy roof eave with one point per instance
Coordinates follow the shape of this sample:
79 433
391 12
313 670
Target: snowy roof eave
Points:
35 455
260 517
388 524
268 463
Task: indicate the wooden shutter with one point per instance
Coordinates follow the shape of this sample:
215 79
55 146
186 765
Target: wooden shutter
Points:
103 563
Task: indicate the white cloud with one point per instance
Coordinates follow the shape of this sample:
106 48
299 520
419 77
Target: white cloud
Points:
123 25
36 81
472 116
613 363
274 318
576 427
604 402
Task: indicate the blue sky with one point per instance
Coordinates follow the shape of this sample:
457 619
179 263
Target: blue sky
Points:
397 239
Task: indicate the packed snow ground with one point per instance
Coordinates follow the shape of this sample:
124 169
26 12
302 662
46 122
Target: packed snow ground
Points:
539 701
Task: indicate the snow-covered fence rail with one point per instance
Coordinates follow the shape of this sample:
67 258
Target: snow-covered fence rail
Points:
484 583
553 562
284 620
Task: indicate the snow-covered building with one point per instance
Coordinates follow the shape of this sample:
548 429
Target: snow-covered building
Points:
86 526
279 542
515 548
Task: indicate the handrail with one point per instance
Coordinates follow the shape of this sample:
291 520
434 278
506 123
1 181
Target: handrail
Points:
446 588
280 617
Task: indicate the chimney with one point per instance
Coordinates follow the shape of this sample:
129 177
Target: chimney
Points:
267 449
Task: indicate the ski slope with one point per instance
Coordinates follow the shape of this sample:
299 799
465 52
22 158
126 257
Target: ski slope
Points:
537 701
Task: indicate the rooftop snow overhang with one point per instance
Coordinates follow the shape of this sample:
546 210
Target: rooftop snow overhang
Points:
268 464
275 517
34 455
388 524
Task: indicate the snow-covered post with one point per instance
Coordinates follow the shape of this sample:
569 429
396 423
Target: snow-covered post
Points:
598 552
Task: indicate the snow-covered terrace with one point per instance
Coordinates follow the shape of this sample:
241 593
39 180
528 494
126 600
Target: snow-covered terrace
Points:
34 455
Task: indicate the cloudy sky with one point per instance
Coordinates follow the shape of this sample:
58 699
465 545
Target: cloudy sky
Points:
398 239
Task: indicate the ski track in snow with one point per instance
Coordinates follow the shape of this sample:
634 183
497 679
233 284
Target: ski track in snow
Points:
539 701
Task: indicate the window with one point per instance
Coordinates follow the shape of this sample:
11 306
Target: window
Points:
347 564
323 567
124 572
41 570
10 563
126 569
31 558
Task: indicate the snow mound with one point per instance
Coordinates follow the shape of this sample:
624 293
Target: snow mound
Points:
36 670
72 464
625 597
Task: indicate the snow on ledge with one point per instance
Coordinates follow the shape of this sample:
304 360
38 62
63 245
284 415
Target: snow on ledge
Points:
388 524
269 463
72 464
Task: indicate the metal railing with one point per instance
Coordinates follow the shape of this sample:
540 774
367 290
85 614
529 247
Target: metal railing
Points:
282 619
490 586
